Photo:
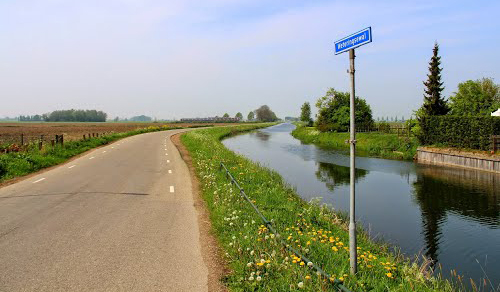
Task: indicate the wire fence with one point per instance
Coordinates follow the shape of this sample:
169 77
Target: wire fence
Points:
20 142
400 130
336 283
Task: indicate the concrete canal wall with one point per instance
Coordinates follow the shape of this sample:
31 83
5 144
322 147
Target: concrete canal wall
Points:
458 158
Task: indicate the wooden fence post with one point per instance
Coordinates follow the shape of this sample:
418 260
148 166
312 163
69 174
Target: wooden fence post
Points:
40 143
22 139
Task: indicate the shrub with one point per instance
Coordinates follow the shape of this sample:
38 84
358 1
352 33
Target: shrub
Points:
334 112
458 131
3 167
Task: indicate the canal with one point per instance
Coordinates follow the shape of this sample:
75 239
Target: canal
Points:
451 215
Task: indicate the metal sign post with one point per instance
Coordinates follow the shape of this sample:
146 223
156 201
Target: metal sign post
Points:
352 210
348 44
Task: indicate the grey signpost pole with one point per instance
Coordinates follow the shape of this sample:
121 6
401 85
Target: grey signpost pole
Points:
352 220
349 43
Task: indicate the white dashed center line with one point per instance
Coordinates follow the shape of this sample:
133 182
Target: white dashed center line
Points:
38 180
169 171
104 151
91 157
168 161
166 153
72 166
171 189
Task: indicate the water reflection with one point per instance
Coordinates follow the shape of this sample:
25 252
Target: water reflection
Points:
263 136
336 175
470 194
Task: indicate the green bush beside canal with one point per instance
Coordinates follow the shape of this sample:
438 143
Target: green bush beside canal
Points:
257 260
367 144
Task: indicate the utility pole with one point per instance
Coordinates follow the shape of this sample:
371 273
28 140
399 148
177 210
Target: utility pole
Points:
352 212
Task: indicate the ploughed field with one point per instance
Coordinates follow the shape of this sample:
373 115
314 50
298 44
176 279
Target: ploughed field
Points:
24 133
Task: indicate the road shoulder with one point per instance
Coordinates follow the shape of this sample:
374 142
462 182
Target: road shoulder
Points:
211 251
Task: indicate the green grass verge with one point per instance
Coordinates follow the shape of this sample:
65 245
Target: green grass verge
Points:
16 164
367 144
257 260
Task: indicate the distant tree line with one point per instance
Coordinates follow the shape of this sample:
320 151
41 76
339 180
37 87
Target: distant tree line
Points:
262 114
71 115
34 118
141 118
391 119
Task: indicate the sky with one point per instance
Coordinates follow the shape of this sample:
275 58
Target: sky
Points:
184 58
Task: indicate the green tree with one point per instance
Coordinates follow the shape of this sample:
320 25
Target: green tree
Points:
305 113
265 114
251 116
226 115
434 103
239 116
334 112
480 97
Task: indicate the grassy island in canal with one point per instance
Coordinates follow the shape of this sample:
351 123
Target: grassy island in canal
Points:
256 257
374 144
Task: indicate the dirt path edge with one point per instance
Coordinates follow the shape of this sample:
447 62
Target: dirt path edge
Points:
211 251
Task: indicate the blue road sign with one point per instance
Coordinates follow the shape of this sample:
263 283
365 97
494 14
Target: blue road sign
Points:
355 40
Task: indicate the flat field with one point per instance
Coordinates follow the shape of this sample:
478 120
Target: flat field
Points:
10 133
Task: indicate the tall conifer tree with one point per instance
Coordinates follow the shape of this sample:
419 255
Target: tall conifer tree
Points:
434 103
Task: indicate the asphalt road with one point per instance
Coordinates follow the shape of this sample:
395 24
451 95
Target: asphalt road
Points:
120 218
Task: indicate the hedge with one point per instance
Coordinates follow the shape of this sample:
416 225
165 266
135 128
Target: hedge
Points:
458 131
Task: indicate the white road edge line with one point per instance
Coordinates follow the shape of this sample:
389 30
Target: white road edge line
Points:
72 166
91 157
171 189
38 180
104 151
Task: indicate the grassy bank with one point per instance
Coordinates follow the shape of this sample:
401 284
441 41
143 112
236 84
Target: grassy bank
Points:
369 144
16 164
255 256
